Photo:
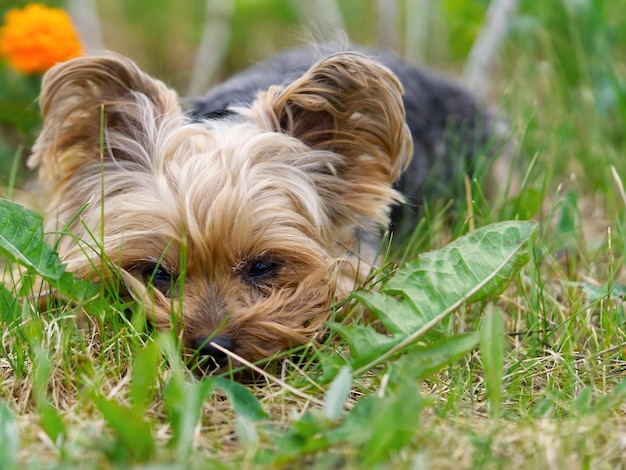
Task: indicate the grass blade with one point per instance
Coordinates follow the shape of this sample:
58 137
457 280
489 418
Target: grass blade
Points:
492 356
183 403
144 377
51 420
9 439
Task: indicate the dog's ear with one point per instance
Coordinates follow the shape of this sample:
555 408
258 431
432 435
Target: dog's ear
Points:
99 104
349 108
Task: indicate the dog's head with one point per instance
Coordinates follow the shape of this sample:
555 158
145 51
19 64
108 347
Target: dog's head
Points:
232 231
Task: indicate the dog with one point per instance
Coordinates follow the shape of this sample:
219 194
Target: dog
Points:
240 219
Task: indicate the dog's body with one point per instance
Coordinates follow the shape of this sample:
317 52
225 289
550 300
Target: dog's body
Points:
236 222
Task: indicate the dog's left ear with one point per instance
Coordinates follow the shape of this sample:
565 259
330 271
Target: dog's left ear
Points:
349 107
100 104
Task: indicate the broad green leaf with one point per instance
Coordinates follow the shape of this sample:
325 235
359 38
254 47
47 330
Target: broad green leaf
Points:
595 293
243 401
381 426
86 293
331 362
9 307
393 424
492 356
421 362
364 342
337 394
356 427
396 315
377 426
133 431
22 240
473 268
9 439
306 435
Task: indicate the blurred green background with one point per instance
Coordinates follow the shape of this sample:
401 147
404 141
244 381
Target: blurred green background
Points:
558 76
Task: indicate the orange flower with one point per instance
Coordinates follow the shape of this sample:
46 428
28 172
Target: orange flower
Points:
34 39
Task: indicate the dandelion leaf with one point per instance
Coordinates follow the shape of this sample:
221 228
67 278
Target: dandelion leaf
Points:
473 268
22 241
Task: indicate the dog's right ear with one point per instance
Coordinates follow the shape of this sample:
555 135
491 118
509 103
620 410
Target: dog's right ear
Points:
95 104
348 109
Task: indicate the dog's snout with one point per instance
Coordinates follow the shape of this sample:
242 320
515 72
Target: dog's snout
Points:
205 347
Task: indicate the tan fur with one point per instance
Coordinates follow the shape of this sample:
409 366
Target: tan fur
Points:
292 184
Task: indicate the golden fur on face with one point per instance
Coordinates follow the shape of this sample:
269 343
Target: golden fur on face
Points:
234 230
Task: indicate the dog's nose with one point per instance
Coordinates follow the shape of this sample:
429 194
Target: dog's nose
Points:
205 348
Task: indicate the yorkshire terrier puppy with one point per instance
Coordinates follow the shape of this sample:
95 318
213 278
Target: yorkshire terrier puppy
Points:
237 221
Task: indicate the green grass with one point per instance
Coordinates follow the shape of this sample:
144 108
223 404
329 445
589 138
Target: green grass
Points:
543 387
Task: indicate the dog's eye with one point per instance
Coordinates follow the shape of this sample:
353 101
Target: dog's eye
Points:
260 269
159 278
